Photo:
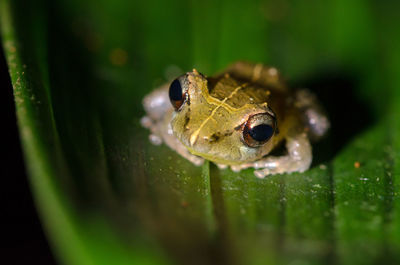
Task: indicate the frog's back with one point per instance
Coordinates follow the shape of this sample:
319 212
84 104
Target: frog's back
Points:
238 91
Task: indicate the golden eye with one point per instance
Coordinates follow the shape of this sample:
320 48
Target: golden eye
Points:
176 94
258 129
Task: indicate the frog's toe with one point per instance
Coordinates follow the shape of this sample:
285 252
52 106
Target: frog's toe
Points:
318 123
146 122
155 139
313 114
236 168
198 161
222 166
262 173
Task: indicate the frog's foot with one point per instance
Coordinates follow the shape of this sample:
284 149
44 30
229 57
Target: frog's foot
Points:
181 149
237 168
173 143
313 114
197 161
162 132
298 159
222 166
154 136
157 103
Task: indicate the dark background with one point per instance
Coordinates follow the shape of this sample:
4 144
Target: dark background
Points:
23 239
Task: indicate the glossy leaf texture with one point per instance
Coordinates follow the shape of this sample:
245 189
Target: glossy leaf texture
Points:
107 196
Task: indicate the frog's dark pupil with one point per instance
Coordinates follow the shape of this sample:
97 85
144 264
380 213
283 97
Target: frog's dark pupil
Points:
261 132
175 91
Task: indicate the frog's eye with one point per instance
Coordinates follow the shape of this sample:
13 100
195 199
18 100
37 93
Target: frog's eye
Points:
258 129
176 94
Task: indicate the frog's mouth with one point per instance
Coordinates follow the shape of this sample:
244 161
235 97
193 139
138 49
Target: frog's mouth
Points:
213 158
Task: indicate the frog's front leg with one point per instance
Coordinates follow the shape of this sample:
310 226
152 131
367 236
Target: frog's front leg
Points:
157 106
158 116
173 142
298 159
313 114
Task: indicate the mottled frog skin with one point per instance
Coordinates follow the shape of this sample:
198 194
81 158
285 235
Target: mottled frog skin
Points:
236 119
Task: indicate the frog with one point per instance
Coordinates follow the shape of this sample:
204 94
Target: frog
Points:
236 119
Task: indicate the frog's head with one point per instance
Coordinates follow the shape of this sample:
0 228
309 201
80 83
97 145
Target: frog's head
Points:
211 128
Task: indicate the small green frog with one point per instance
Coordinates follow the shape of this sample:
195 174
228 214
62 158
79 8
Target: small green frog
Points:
236 119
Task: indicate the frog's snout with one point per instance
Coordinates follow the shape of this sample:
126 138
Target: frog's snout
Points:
199 140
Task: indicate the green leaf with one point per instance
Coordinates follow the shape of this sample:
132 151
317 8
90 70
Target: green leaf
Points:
107 196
